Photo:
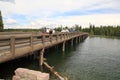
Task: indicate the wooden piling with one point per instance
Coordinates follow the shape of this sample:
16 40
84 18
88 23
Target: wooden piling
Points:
63 47
79 38
41 57
76 40
71 42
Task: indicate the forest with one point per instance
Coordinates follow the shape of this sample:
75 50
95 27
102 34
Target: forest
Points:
103 30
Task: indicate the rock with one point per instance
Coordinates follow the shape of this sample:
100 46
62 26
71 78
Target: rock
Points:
26 74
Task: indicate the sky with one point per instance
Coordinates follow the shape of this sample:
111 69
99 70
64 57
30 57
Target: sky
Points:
36 14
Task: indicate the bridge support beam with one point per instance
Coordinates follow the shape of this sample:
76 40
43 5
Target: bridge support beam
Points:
79 39
76 39
41 57
71 42
63 47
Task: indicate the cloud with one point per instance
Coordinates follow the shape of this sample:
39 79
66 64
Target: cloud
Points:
38 13
11 1
9 23
96 19
46 8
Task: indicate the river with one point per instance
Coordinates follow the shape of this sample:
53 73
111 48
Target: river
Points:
95 58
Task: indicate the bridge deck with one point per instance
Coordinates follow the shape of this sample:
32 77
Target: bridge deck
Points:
18 45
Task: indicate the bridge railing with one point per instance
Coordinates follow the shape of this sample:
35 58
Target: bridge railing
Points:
10 43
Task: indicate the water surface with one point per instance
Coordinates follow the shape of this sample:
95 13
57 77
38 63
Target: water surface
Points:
94 59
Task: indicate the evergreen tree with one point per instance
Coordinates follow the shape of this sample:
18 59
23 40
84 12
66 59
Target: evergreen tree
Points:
1 22
103 30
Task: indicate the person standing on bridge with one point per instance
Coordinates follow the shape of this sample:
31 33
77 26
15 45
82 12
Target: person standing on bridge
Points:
44 30
50 32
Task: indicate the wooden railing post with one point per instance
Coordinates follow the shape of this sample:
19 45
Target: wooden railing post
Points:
31 43
12 45
71 42
43 39
41 57
69 35
61 36
57 36
51 37
63 48
76 39
31 40
65 37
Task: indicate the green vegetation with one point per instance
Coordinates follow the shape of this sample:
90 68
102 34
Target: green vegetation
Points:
93 30
58 29
75 28
1 23
103 30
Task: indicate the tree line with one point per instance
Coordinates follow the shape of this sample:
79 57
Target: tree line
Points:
93 30
103 30
1 23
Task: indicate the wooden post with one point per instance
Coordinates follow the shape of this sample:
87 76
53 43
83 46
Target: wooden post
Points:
41 57
63 48
68 35
76 39
43 39
12 45
79 38
82 37
71 42
57 37
65 36
31 43
50 37
42 51
31 40
61 36
34 56
54 72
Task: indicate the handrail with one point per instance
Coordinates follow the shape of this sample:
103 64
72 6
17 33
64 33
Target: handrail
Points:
17 45
12 40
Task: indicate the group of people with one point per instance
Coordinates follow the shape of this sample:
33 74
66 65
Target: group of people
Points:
48 31
51 31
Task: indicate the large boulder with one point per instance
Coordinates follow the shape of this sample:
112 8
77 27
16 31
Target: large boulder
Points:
26 74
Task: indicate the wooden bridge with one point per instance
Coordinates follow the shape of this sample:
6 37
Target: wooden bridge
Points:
15 45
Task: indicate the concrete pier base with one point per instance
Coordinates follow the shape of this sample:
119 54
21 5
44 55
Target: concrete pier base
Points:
26 74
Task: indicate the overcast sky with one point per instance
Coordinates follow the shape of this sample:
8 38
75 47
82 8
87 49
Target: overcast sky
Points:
39 13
